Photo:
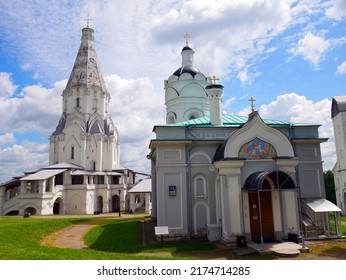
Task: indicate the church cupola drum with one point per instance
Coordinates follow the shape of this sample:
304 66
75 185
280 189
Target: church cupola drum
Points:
185 94
85 134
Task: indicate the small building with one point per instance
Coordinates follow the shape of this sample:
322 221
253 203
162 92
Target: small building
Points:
140 197
244 175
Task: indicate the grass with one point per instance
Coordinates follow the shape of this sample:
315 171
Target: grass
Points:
124 236
21 240
111 239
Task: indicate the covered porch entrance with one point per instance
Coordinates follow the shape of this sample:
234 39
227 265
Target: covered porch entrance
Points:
267 216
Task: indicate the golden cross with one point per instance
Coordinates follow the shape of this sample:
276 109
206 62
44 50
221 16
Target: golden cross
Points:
214 79
187 37
252 100
88 20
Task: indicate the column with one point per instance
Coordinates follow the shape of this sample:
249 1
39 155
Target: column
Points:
147 203
231 199
83 151
100 153
23 185
51 150
234 198
91 180
41 186
132 202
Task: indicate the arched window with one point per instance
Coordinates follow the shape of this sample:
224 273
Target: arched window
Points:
200 186
72 152
94 103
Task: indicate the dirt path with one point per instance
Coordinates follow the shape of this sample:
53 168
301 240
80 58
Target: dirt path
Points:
70 237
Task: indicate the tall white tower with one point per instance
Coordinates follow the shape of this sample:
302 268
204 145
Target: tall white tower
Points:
185 94
85 134
339 170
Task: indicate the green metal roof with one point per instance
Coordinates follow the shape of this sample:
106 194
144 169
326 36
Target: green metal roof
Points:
234 121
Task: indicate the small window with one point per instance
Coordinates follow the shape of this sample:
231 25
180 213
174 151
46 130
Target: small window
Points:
72 152
78 102
200 187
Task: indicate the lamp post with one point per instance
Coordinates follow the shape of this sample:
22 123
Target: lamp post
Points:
119 191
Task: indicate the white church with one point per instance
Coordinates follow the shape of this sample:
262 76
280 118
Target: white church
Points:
228 176
84 175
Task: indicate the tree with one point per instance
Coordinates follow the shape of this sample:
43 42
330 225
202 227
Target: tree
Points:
330 185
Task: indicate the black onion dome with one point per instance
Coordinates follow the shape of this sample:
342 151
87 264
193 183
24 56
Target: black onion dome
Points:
186 48
187 69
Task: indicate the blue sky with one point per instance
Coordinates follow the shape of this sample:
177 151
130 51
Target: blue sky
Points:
289 55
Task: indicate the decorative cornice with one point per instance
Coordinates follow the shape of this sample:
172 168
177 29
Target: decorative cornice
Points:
232 167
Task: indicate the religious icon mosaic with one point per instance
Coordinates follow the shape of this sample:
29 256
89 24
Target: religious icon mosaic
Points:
257 149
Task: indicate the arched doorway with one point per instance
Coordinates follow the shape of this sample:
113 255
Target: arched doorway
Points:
115 203
260 186
30 210
99 206
58 206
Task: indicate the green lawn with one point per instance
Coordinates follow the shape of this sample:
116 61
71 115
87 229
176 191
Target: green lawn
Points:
112 239
21 240
124 236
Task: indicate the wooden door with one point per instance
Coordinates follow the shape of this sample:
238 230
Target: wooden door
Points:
266 214
254 217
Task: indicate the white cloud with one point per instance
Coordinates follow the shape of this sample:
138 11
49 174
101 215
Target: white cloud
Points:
296 108
142 38
312 48
26 67
136 106
19 158
228 35
6 138
7 88
341 68
35 109
337 10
